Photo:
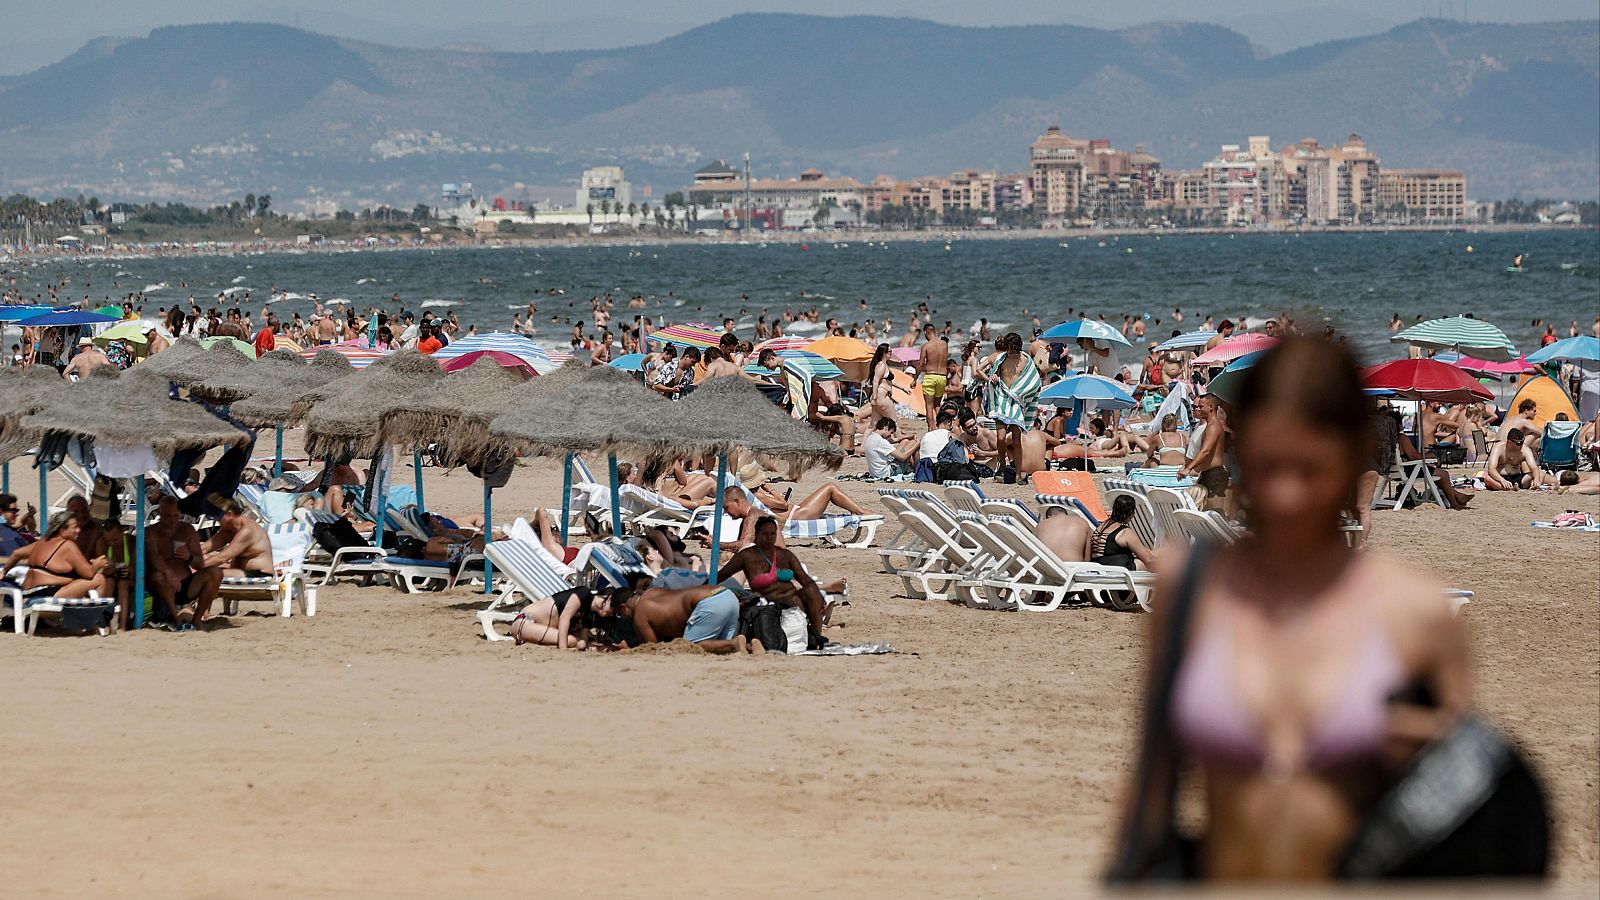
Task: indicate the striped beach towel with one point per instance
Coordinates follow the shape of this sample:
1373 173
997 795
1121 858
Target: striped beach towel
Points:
1013 404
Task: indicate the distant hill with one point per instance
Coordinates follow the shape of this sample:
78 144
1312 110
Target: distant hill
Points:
208 111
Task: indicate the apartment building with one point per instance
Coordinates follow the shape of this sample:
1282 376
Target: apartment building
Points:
1423 196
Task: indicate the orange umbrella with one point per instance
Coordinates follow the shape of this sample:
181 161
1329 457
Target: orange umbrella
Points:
839 347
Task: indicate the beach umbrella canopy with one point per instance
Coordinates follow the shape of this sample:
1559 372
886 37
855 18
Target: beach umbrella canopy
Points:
1233 348
1578 349
17 313
66 316
1106 392
495 357
23 391
1426 379
510 349
906 354
109 310
346 413
559 357
188 363
359 356
691 334
286 398
1473 337
728 413
265 373
1484 367
596 407
628 362
802 362
132 332
244 347
841 348
454 412
1226 384
133 409
787 342
1100 333
1192 340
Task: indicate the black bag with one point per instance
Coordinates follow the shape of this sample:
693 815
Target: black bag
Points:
335 536
764 622
1470 806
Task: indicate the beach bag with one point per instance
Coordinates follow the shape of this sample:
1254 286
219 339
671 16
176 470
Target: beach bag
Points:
764 622
1470 806
953 464
336 535
924 472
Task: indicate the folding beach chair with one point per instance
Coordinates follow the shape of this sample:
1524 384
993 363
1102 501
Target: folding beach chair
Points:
530 571
1558 449
290 544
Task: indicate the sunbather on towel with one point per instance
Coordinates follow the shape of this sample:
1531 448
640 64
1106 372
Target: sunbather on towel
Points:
707 615
1578 483
777 574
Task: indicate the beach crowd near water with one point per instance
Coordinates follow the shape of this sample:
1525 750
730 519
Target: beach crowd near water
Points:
1260 562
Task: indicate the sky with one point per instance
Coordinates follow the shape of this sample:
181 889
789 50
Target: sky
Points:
36 34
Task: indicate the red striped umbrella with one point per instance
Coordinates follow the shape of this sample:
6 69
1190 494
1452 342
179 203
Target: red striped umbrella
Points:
359 355
1233 348
787 342
691 334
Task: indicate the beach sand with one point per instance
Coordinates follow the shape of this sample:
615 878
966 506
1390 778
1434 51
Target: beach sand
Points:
383 747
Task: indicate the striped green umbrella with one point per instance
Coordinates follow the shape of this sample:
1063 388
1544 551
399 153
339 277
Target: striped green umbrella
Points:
1474 337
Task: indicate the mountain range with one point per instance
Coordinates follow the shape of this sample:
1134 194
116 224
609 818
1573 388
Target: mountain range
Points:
204 112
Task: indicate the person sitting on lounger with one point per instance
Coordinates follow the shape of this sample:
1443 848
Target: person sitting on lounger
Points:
240 546
736 504
1512 465
1167 447
775 573
1114 543
55 564
183 585
1064 533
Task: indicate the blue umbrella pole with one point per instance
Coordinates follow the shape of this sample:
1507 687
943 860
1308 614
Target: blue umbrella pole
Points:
5 478
566 497
137 598
488 537
616 508
716 515
277 452
44 493
416 468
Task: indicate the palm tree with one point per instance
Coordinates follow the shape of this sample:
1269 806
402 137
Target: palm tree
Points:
605 208
633 211
262 202
589 208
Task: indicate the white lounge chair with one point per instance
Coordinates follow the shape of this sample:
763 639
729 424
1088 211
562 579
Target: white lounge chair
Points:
530 571
358 561
937 577
1165 503
25 608
904 548
1144 522
290 544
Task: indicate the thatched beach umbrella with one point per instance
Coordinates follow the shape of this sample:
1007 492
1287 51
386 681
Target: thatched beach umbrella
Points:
730 412
187 363
275 373
22 392
285 402
454 412
347 412
602 408
133 409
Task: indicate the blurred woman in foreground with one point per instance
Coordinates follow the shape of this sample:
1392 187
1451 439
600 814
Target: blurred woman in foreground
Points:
1276 661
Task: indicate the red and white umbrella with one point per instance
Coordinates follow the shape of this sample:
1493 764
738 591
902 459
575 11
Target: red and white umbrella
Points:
787 342
1426 379
1233 348
356 352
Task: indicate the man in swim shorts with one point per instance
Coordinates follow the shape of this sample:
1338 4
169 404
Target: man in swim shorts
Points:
705 615
931 366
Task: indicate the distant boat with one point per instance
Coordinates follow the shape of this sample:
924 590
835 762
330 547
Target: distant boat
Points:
1513 270
1569 266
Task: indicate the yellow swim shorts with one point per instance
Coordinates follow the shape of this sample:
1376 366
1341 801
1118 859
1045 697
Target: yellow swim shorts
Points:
933 385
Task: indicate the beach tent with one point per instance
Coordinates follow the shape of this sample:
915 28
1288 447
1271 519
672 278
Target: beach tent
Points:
1549 399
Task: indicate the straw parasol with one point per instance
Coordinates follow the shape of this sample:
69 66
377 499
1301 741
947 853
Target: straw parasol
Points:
454 412
600 408
348 411
188 363
266 372
22 392
132 409
730 412
284 401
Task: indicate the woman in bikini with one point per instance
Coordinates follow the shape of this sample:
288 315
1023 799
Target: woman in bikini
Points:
1292 648
880 381
1114 543
1167 445
56 565
776 574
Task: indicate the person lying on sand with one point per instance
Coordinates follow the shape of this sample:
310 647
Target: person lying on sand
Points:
706 616
1584 483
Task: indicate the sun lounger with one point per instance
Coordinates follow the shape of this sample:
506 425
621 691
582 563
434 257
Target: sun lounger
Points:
952 560
322 567
1165 503
1208 525
1044 573
529 571
1144 522
290 544
904 548
25 608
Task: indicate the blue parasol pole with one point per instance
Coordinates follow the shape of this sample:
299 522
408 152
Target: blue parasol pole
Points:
5 477
137 599
716 515
488 537
44 493
566 496
416 468
616 509
277 452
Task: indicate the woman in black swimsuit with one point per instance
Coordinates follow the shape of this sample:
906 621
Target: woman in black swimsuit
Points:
55 562
1115 544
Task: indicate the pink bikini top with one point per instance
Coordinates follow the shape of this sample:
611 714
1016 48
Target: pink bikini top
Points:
1214 725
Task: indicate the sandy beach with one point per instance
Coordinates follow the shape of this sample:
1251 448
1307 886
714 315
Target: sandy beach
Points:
383 747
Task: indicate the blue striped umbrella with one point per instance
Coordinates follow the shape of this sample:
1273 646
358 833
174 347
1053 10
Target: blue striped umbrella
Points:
805 363
628 362
1474 337
1093 329
523 348
1192 340
13 313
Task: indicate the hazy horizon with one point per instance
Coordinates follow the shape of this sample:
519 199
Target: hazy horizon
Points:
39 35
